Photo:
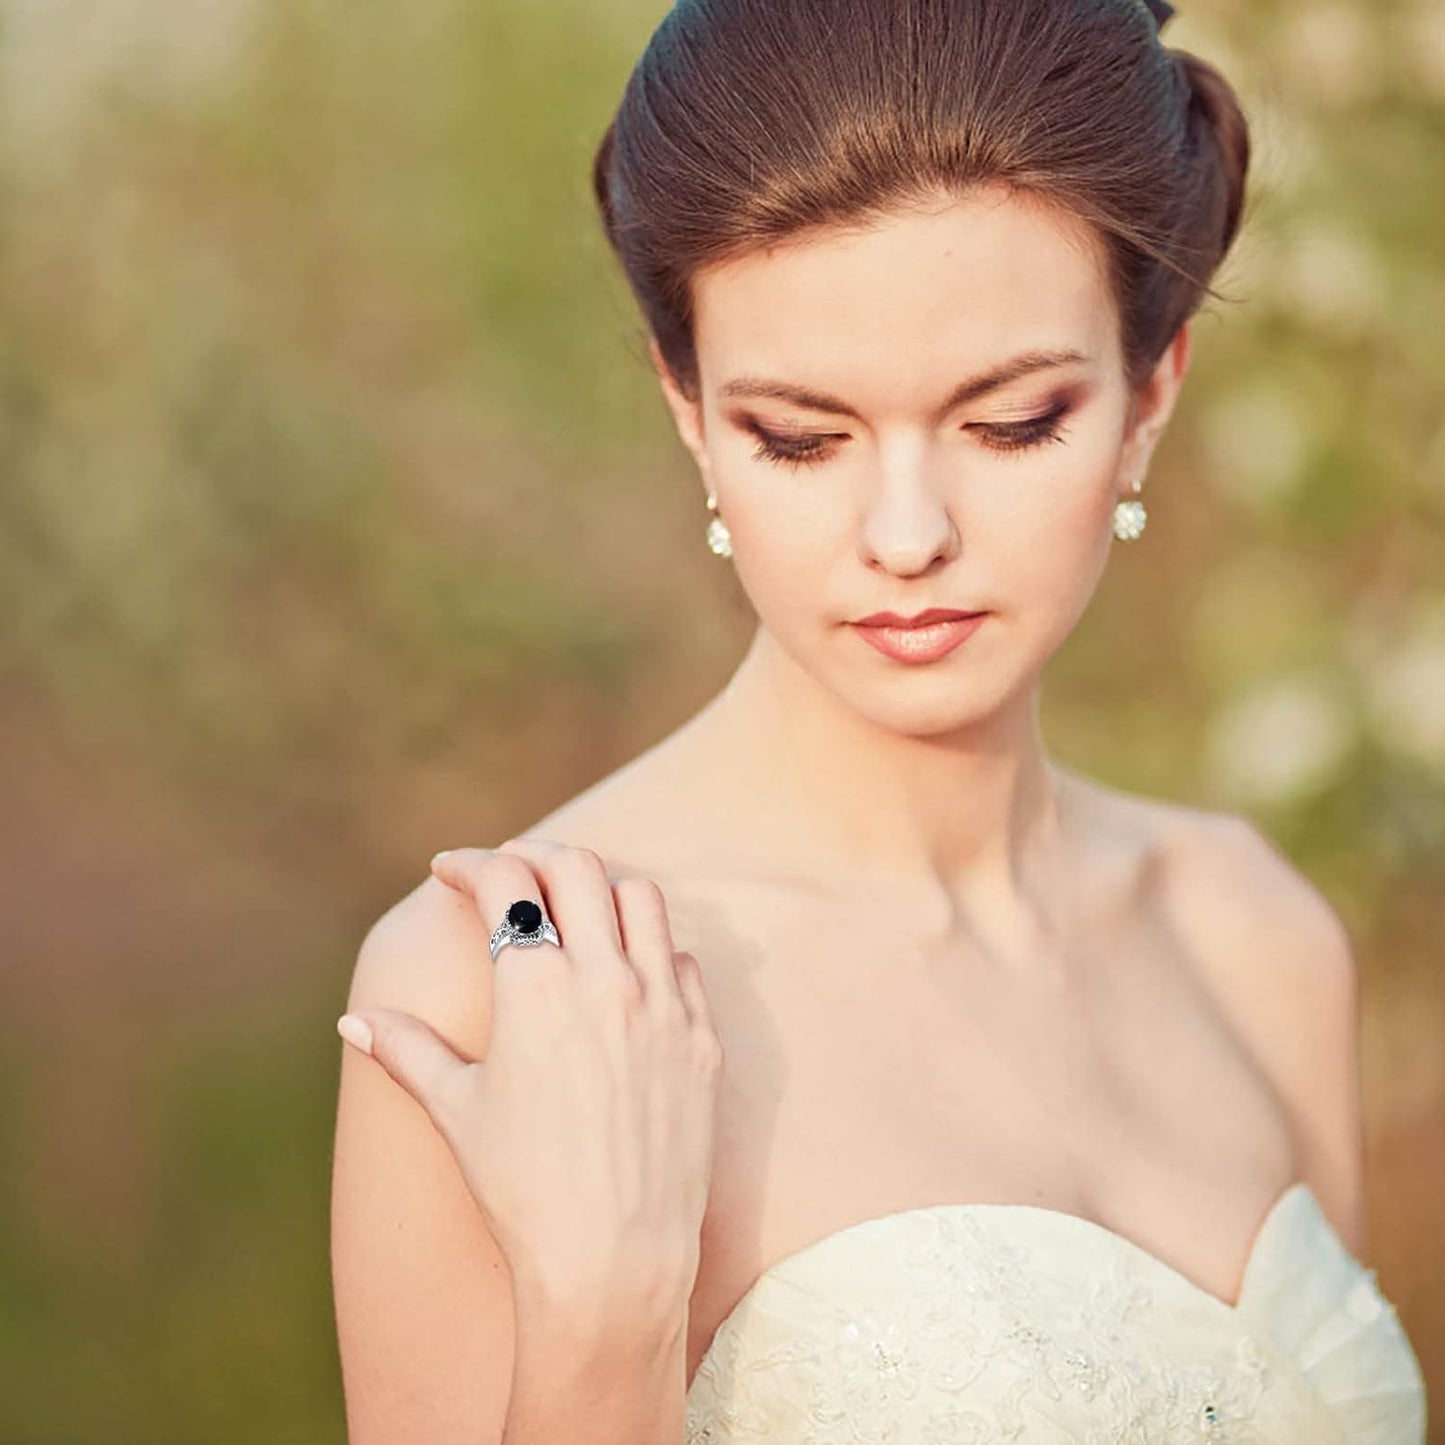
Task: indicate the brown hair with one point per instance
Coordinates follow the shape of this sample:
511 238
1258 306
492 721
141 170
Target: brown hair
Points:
748 121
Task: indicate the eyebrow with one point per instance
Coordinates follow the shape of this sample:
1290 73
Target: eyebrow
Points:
976 386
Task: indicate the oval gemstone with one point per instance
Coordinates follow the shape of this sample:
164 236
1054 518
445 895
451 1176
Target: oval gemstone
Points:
525 915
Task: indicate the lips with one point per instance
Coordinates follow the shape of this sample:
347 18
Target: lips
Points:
923 642
918 619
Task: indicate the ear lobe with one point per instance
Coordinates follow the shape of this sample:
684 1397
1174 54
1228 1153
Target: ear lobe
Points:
1152 408
1182 347
658 364
686 415
664 372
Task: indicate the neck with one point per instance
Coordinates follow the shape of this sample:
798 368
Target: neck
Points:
964 823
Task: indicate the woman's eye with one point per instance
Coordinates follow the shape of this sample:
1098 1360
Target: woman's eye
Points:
800 451
1021 435
788 451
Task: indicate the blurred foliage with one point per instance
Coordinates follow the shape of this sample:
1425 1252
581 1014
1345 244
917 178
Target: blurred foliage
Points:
330 461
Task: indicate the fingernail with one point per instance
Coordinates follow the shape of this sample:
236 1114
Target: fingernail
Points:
356 1032
437 857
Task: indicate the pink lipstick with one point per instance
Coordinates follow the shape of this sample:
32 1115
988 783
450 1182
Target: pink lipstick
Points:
938 632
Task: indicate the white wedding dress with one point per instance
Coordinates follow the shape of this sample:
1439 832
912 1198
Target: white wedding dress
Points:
956 1323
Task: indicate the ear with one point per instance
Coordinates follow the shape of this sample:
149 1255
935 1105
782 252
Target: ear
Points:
1153 406
687 415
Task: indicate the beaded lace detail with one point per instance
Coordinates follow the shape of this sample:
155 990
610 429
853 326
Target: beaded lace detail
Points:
959 1324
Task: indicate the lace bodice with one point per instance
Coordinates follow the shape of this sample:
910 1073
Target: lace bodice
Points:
960 1324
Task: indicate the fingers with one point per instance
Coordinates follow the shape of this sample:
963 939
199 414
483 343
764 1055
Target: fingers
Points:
578 896
414 1054
604 922
570 884
689 985
647 937
493 880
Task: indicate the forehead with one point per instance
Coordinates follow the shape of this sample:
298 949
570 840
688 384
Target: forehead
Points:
963 284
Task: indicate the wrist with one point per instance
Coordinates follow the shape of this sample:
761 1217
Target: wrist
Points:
588 1321
620 1372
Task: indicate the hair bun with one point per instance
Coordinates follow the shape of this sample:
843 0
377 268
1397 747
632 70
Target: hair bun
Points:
1161 10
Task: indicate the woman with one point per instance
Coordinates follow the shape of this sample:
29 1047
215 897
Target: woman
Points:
844 1069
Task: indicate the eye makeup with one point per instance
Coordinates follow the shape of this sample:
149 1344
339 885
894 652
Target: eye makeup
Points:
1007 438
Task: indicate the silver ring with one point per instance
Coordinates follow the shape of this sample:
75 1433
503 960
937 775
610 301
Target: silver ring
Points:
525 925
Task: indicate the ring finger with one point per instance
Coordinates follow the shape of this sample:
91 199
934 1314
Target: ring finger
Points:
578 898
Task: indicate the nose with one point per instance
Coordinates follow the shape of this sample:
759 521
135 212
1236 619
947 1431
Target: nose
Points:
906 526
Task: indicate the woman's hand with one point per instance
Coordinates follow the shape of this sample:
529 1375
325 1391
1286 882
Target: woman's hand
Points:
585 1134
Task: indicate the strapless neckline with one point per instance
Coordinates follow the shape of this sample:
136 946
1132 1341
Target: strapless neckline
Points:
960 1322
1059 1218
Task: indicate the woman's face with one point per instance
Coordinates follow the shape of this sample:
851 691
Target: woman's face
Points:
889 487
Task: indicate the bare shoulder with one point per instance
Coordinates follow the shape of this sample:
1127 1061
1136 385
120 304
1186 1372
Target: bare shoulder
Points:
1278 959
1239 901
1251 912
427 954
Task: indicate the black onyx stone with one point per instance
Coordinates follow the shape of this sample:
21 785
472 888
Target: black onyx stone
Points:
525 915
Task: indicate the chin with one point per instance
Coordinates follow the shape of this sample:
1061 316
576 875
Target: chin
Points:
922 702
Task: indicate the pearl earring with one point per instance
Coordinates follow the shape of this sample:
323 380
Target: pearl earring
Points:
719 539
1130 516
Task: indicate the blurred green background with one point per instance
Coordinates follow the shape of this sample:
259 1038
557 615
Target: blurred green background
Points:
324 416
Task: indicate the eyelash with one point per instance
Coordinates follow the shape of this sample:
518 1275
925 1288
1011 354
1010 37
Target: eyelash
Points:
1017 437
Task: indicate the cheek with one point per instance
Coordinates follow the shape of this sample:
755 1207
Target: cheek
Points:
1043 557
785 555
787 526
1076 525
1050 523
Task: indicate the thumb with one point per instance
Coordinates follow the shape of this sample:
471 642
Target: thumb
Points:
413 1053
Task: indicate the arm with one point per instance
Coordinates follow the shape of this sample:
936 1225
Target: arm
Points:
438 1343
